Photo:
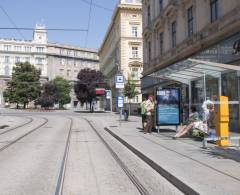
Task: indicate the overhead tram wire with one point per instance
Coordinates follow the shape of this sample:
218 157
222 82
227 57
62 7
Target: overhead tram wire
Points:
97 5
11 21
48 29
89 19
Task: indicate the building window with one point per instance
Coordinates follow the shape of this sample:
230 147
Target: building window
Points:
39 61
18 48
68 73
174 34
149 51
17 59
75 54
28 49
134 31
149 14
7 47
40 49
69 52
134 52
7 59
27 59
214 10
190 21
135 73
160 5
161 43
6 70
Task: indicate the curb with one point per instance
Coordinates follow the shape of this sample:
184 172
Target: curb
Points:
186 189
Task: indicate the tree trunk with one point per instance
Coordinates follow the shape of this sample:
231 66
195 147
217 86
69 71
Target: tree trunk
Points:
17 106
129 107
24 106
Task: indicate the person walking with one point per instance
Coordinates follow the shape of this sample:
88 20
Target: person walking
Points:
149 107
143 113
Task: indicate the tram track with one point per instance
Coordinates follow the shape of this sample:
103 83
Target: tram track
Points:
139 186
19 126
61 177
23 135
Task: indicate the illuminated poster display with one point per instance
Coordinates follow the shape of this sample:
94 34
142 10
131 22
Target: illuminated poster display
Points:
168 106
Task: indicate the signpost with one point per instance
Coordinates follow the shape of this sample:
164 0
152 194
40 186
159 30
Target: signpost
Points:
109 97
119 84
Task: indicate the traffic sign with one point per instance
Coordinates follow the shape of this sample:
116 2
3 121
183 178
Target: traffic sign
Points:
119 81
120 101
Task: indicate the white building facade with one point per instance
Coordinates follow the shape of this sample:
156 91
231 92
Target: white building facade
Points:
121 50
53 59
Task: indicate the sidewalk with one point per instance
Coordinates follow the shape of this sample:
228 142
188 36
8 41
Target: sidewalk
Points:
181 161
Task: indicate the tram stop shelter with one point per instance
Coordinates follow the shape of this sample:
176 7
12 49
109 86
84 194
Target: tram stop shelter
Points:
203 78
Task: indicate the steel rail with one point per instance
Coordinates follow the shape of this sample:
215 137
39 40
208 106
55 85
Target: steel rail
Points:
19 126
61 177
142 190
24 135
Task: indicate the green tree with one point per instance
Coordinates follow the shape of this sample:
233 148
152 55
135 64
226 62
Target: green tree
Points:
64 88
130 92
24 86
85 87
48 96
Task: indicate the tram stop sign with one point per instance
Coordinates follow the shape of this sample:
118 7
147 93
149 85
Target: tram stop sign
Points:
119 81
120 101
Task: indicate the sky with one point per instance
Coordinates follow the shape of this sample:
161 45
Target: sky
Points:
72 14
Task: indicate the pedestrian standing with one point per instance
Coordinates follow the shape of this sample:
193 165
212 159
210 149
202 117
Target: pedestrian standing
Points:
143 113
149 106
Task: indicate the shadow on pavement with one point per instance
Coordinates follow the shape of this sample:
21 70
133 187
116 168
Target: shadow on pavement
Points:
224 153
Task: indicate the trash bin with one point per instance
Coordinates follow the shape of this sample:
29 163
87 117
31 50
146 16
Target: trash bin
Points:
125 113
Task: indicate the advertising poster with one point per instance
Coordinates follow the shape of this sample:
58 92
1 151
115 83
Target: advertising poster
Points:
168 106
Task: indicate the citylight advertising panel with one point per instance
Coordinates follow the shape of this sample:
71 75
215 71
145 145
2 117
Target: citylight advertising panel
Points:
168 106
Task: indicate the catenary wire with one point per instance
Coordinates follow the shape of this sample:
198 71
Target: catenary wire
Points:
97 5
11 21
89 20
48 29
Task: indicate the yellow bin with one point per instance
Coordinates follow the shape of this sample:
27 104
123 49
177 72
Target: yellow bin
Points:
222 125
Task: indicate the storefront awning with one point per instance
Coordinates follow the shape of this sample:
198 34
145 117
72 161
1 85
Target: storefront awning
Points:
191 69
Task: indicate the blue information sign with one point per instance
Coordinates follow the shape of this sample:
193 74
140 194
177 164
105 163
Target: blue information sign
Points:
168 106
120 101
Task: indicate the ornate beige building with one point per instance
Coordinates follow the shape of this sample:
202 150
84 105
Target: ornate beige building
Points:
53 59
190 44
121 50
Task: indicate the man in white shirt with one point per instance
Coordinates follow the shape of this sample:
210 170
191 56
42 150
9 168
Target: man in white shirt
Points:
149 106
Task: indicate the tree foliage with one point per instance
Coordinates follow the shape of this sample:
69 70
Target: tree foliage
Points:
130 92
85 87
130 89
64 88
24 86
48 96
